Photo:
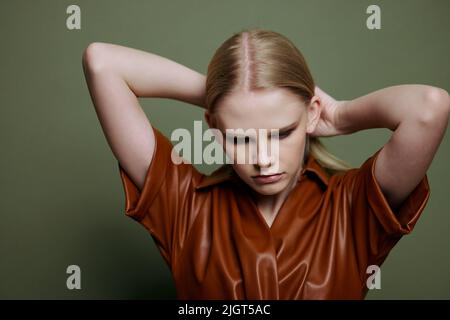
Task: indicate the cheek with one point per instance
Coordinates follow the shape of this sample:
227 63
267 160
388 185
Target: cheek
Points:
232 151
292 151
241 153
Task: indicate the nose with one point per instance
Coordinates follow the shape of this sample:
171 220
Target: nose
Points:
263 159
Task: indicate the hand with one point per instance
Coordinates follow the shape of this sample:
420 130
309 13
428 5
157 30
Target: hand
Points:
327 125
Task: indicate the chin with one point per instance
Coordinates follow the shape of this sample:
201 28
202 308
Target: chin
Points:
269 189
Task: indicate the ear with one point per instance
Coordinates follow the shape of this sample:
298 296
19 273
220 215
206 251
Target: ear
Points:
314 110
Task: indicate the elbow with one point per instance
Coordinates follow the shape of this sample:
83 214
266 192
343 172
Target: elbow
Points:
94 57
436 106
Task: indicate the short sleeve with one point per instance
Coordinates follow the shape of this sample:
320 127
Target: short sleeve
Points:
163 206
376 227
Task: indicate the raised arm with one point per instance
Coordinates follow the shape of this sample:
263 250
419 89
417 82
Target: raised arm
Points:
418 115
116 76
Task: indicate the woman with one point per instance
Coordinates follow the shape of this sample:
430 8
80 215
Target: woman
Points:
295 224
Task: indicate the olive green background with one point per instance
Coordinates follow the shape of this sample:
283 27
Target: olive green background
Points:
62 201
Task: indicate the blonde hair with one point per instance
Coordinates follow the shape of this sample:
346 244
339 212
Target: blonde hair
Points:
256 58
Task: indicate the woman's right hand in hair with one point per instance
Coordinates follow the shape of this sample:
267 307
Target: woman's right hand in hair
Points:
116 76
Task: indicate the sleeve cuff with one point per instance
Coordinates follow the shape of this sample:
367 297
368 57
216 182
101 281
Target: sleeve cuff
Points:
404 220
137 203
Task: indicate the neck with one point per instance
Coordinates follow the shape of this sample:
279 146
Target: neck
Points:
269 205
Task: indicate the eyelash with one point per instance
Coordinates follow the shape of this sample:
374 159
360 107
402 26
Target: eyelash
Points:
281 136
285 134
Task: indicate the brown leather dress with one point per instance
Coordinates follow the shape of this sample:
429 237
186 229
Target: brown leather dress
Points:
218 245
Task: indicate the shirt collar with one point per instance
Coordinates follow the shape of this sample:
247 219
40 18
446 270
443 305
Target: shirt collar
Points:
226 173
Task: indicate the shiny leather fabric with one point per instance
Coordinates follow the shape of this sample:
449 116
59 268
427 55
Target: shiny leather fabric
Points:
218 245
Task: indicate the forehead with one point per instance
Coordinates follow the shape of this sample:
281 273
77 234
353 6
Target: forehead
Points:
262 108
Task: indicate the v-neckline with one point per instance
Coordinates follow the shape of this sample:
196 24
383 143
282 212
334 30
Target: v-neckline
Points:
272 228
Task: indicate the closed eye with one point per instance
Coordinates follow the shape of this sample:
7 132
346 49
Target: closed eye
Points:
285 134
246 139
240 140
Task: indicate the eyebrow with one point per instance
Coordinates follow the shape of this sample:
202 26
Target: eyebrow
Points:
292 126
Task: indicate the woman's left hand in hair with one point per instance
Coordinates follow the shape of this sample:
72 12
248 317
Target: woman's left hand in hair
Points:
327 125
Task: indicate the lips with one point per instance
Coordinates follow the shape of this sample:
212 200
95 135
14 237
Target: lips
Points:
265 179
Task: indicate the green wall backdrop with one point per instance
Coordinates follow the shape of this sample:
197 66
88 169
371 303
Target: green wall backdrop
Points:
62 200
